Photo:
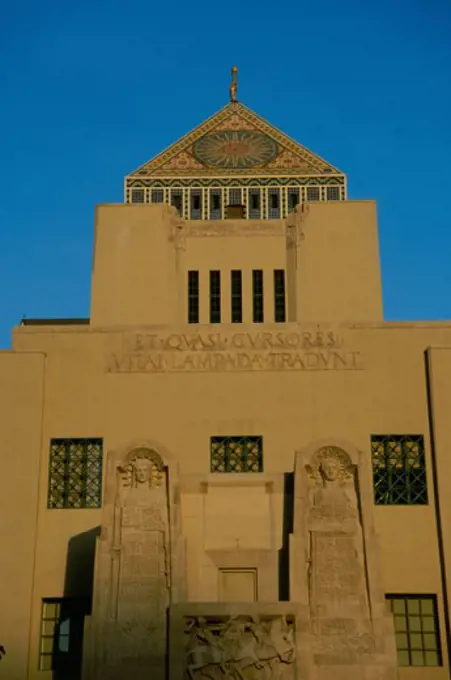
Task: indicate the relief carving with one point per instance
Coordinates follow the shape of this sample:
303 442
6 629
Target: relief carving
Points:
333 531
333 495
240 648
177 233
144 574
294 229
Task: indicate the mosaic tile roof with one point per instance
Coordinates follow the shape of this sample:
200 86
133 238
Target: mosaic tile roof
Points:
235 141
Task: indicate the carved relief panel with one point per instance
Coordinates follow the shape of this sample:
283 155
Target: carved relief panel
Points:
240 648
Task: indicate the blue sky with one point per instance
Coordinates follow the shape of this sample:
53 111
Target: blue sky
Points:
91 89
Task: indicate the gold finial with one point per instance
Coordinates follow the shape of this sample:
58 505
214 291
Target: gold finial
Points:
234 85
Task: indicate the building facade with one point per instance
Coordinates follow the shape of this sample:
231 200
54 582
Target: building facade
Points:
235 467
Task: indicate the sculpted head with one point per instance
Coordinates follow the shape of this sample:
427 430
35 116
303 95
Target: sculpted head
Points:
330 468
142 468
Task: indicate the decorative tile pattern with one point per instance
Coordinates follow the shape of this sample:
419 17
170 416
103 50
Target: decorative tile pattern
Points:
235 149
75 473
236 117
286 180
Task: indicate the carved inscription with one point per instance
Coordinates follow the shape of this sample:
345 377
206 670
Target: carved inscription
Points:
210 352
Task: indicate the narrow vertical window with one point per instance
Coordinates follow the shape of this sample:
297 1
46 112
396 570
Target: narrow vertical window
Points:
279 295
293 199
274 204
257 295
196 204
254 204
237 296
177 200
215 297
215 204
193 297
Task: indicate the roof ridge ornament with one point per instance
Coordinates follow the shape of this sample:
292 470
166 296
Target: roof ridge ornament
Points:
234 85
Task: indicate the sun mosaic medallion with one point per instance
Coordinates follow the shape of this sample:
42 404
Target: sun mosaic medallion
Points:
235 149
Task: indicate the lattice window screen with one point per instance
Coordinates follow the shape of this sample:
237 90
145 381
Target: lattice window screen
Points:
237 454
399 470
75 473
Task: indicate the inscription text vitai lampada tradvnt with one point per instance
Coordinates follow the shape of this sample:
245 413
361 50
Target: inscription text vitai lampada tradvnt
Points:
243 351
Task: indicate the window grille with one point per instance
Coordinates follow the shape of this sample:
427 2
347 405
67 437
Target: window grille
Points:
333 193
196 204
254 204
137 195
416 629
157 196
58 649
274 204
236 285
257 296
50 619
399 470
313 194
215 297
75 473
279 295
177 200
293 199
234 196
215 204
193 297
236 454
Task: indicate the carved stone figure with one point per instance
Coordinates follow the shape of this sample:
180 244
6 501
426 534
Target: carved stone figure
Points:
334 532
137 561
242 648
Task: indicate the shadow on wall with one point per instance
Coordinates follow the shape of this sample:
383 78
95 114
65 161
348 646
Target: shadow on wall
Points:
77 603
287 529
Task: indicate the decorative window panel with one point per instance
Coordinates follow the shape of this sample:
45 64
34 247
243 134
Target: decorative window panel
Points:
236 454
293 199
399 471
333 193
416 629
313 194
75 473
234 196
196 204
274 204
137 195
157 196
254 204
215 204
177 200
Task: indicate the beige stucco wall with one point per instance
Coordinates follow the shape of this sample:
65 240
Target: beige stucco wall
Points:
21 406
101 381
142 255
290 408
